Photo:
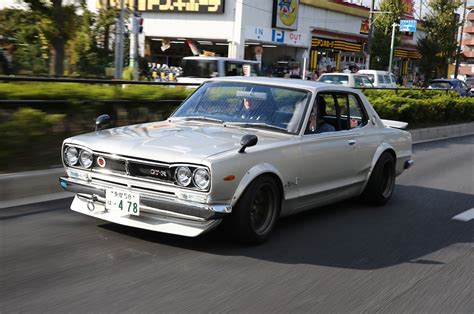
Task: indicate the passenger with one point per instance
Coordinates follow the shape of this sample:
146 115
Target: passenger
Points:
318 125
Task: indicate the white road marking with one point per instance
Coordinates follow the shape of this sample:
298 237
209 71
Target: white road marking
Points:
465 216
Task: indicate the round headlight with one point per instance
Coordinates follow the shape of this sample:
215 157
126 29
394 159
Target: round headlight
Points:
71 156
85 158
183 176
201 178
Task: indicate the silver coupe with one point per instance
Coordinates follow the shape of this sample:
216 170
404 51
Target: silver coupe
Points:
239 150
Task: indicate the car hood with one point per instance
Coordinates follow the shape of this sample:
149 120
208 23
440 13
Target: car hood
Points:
171 141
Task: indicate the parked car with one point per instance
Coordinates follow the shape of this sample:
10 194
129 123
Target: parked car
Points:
380 78
470 85
457 85
199 69
243 150
346 79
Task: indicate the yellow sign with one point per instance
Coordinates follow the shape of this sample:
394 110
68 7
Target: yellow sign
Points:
172 6
285 14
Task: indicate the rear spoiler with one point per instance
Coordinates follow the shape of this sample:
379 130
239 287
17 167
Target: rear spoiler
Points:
394 124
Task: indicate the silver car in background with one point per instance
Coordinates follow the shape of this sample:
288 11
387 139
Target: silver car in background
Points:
346 79
243 151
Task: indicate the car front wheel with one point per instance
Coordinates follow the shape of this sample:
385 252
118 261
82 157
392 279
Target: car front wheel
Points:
256 212
380 187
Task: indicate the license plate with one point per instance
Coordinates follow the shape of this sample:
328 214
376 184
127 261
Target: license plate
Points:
122 202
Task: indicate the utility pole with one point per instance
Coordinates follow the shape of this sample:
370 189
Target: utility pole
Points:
392 44
458 51
119 44
134 41
369 35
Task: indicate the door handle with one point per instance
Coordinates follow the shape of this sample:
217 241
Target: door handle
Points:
351 142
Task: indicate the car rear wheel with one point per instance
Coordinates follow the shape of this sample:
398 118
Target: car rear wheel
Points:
256 212
380 187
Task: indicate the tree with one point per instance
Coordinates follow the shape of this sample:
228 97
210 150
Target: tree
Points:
383 32
58 25
438 48
26 42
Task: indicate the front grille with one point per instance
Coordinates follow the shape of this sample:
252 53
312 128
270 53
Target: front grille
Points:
114 165
154 172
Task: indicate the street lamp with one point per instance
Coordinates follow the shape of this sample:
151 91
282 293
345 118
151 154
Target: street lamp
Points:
392 44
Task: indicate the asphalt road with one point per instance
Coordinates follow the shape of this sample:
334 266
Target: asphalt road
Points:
409 256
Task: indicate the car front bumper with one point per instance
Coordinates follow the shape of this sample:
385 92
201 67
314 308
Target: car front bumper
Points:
158 212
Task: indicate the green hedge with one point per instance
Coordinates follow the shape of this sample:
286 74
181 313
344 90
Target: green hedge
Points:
422 108
81 91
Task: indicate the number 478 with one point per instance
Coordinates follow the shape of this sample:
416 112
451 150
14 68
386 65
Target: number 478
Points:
129 207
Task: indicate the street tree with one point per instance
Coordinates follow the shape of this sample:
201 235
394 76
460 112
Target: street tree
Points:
438 48
383 32
57 23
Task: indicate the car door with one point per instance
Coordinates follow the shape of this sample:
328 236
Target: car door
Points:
325 161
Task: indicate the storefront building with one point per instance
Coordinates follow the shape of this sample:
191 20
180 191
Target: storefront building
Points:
285 35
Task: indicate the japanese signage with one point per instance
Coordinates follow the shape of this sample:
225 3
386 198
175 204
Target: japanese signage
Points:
285 14
323 43
408 26
276 36
173 6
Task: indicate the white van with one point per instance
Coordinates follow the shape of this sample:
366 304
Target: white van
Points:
198 69
380 78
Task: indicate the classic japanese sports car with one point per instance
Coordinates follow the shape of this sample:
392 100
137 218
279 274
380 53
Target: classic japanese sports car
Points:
239 150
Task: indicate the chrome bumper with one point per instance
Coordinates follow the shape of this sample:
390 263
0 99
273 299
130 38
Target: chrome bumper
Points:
152 204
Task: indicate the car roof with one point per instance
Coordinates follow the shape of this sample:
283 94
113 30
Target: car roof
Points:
445 80
345 74
219 58
282 82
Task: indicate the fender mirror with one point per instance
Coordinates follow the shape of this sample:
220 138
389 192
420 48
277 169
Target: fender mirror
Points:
101 122
247 141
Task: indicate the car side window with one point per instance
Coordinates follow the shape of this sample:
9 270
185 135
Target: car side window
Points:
380 78
358 118
338 111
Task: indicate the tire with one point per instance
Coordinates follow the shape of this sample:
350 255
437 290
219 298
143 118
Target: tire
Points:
255 214
381 183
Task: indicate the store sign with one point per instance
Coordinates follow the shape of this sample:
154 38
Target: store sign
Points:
336 44
171 6
285 14
276 36
408 26
323 43
364 27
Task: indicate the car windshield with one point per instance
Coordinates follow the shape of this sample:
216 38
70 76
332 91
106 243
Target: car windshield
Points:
440 85
248 105
199 68
335 79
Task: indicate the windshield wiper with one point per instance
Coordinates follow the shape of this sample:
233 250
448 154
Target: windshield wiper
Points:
256 125
198 118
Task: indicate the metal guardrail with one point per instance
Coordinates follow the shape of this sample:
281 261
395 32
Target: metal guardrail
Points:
88 81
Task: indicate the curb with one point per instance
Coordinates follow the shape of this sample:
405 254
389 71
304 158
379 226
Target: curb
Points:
441 132
22 188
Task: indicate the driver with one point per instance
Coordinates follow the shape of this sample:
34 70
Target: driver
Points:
252 109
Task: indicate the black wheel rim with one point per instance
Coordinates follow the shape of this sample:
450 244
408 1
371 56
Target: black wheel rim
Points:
262 209
388 180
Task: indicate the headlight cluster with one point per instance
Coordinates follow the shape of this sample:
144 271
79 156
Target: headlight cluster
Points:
198 177
74 156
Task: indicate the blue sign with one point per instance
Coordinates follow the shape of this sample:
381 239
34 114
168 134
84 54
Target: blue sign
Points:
278 36
408 26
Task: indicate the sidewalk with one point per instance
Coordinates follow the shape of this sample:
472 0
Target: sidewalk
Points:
29 187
